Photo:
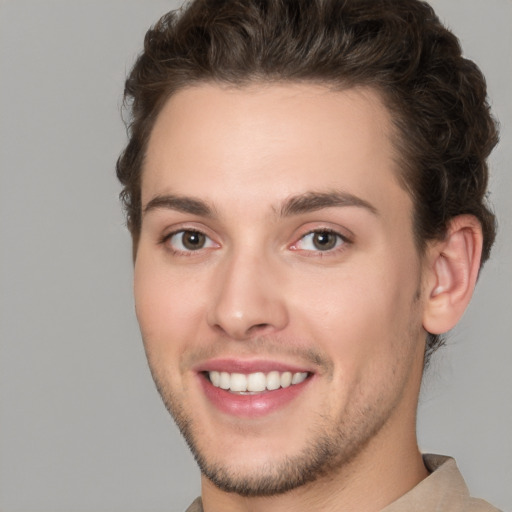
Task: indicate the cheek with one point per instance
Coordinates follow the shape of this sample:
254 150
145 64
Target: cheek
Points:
362 313
166 304
362 321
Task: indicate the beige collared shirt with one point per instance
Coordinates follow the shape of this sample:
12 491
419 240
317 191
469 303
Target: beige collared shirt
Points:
444 490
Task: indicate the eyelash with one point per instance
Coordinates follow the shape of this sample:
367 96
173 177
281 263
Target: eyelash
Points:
340 243
165 240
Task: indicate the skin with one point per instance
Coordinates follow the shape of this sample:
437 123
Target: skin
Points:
259 289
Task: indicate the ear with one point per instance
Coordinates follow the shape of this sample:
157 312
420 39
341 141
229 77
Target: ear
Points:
452 270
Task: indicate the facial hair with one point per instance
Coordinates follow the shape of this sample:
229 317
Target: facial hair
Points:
330 445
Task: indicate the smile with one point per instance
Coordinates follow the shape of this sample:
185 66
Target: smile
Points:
252 389
256 382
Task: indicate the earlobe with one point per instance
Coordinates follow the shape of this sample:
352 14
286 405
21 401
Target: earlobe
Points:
453 265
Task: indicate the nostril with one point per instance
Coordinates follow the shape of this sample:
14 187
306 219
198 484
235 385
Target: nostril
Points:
258 327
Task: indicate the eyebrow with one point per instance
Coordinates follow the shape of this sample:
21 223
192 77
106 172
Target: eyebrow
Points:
181 204
295 205
313 201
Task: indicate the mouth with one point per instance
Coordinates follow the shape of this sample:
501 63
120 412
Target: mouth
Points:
255 383
254 389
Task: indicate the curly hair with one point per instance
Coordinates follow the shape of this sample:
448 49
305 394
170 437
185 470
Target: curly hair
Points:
437 98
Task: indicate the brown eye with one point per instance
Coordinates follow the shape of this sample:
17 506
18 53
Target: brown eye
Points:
193 240
325 240
188 240
322 240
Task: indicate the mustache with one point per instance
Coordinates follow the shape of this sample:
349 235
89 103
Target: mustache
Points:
258 348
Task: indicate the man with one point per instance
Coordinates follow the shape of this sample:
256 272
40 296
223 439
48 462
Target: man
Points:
304 184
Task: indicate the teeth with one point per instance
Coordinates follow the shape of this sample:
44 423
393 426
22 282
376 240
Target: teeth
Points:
224 380
286 379
297 378
273 381
255 382
215 378
238 382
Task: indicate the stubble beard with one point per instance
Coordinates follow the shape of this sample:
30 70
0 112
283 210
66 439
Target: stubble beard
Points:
328 451
331 446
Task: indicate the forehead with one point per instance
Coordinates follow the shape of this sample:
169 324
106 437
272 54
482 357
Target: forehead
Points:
265 142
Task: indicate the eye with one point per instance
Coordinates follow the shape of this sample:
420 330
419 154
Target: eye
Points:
320 240
188 241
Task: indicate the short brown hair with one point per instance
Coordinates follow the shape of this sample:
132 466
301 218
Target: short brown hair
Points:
436 97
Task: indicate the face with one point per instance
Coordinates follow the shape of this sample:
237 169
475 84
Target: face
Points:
277 284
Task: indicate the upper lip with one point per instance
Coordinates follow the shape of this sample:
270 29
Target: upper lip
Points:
248 366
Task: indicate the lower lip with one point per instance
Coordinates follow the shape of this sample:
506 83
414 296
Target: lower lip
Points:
251 406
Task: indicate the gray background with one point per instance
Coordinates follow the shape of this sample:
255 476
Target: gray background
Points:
81 427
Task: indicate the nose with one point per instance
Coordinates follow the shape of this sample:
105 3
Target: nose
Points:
249 299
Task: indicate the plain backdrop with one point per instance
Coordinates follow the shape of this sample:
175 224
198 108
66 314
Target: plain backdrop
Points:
81 427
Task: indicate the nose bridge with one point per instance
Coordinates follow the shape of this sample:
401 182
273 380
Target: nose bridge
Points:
248 298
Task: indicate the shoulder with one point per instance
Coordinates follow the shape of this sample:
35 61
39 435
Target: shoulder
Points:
445 477
443 489
477 505
195 506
